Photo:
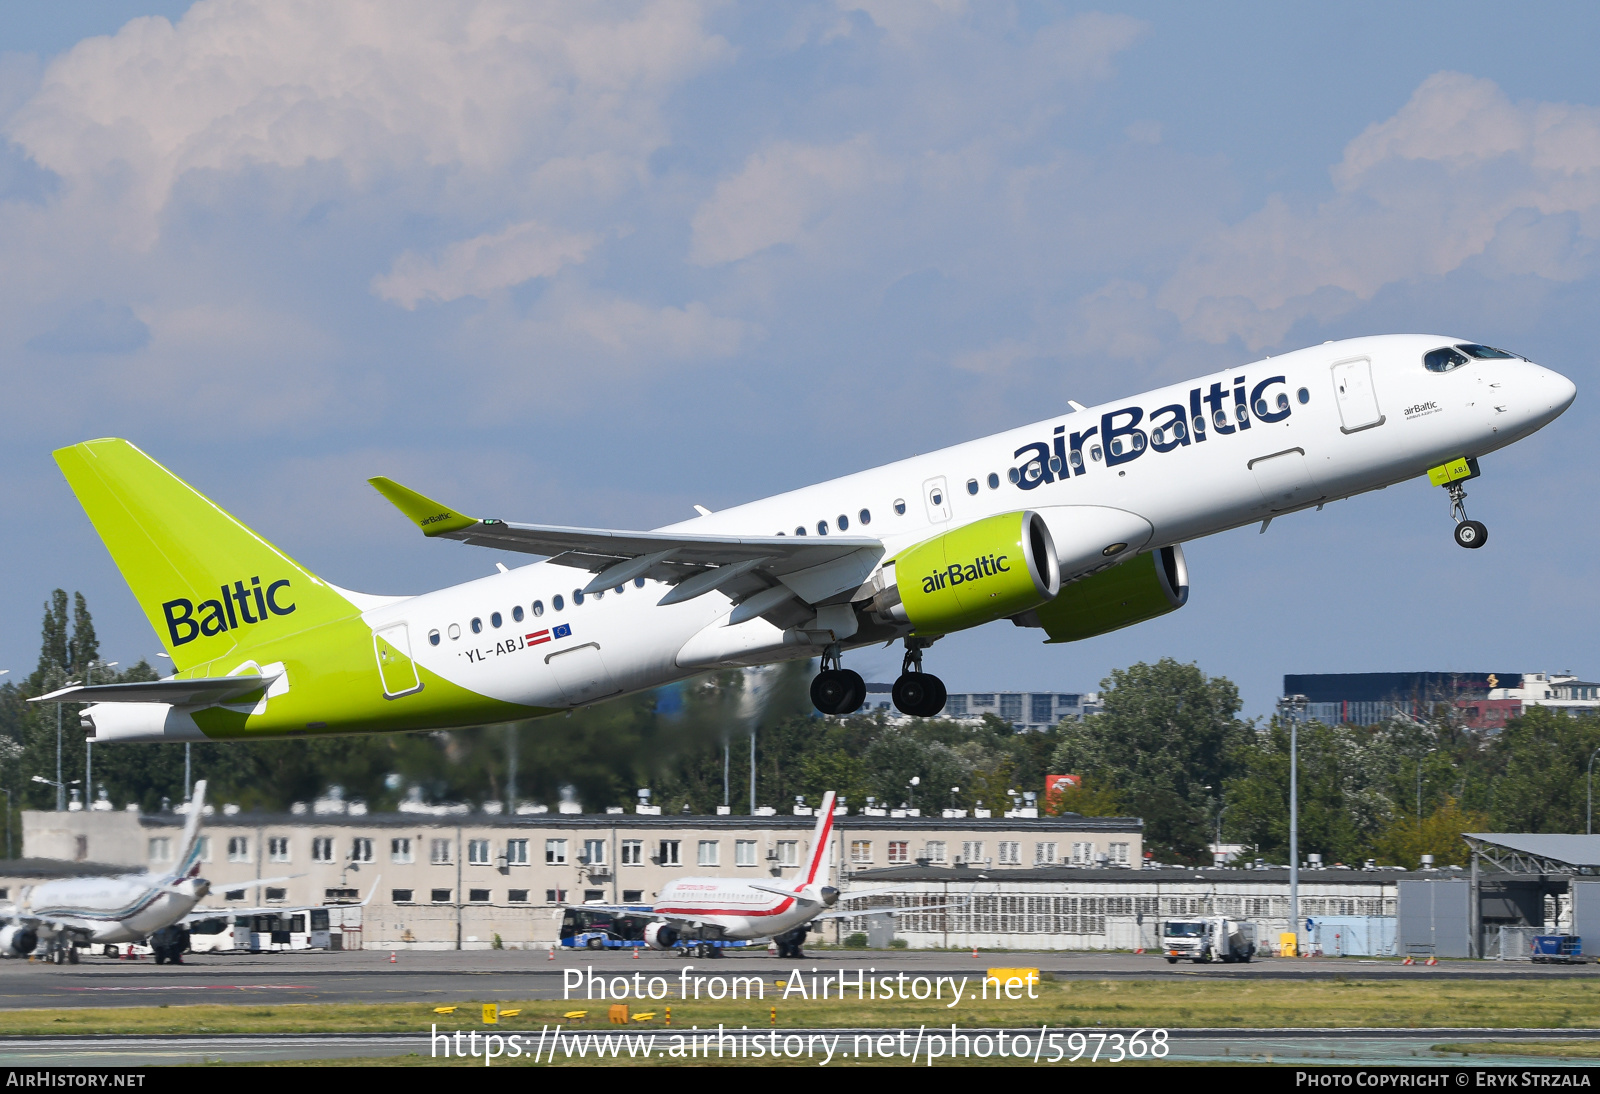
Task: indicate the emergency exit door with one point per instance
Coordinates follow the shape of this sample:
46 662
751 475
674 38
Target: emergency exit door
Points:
1357 399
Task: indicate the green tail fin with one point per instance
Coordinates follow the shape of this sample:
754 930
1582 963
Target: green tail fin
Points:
209 585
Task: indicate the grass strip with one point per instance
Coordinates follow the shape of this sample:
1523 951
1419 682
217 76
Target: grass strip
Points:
1494 1004
1569 1050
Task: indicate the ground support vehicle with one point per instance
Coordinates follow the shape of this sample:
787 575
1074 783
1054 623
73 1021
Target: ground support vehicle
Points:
1208 938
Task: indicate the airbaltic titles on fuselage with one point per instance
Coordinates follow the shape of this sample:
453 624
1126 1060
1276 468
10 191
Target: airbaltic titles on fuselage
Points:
1122 440
518 642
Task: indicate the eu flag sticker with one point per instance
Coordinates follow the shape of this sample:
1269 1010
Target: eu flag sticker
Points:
563 631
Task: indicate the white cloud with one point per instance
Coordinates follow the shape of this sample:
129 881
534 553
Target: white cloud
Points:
1459 174
487 88
780 193
481 265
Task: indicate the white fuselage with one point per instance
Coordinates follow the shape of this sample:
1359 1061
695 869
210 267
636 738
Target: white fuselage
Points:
1335 443
721 908
102 910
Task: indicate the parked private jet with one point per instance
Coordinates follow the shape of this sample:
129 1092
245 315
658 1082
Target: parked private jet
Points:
1073 525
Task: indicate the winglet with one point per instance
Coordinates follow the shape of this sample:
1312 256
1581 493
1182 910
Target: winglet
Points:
433 518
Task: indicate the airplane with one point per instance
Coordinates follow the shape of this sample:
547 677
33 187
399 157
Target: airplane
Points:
1073 525
698 911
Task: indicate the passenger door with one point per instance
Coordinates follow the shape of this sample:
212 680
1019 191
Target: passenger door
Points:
1353 390
392 646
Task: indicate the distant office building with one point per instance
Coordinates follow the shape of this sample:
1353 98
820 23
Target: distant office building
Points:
1025 710
1486 700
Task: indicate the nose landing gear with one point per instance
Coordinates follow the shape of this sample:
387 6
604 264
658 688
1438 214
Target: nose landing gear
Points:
1469 533
837 690
917 693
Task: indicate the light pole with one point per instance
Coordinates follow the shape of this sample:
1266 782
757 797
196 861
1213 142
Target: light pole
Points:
7 793
1591 789
88 742
1293 706
1424 756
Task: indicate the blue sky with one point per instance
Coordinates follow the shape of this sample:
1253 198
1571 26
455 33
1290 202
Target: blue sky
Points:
595 263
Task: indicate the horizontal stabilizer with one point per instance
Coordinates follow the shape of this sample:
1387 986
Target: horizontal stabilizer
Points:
204 689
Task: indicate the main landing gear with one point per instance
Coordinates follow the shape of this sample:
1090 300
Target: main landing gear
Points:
918 693
837 690
1469 533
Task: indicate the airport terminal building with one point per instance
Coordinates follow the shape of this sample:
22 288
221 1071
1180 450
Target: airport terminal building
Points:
460 880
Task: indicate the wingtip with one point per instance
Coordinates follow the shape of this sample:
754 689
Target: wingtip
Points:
434 518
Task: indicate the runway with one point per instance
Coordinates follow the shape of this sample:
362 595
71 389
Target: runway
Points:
367 976
816 1046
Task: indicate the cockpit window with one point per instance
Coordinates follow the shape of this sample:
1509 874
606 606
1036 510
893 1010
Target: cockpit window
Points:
1443 360
1488 353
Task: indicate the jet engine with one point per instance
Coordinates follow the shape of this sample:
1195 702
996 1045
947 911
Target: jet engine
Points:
18 941
1144 587
660 936
987 570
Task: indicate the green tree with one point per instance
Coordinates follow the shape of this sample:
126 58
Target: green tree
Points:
1540 763
1165 742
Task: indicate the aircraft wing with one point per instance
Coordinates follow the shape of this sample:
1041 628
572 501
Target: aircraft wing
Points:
811 569
853 912
178 692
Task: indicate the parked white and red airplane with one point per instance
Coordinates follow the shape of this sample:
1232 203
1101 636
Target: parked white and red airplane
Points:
704 910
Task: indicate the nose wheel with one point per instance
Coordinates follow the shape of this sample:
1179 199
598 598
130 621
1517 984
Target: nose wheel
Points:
917 693
836 689
1469 533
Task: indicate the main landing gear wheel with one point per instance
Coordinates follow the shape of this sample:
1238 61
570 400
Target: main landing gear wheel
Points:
1472 534
917 693
837 690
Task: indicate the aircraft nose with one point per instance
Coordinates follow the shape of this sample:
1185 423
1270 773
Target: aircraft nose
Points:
1562 392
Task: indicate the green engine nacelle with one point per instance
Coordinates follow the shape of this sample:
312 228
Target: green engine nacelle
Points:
1144 587
983 571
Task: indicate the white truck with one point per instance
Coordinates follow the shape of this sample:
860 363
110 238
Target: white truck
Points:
1208 938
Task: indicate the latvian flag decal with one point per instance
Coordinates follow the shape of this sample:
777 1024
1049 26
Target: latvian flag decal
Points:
537 637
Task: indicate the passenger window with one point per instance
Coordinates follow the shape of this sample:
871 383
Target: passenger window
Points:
1015 475
865 515
455 631
1443 360
1241 411
900 506
1116 446
822 527
1262 410
433 637
638 583
495 620
516 613
1076 458
972 486
577 597
843 522
557 603
1095 453
994 481
1158 437
477 626
1304 396
800 530
1200 424
538 608
1177 430
937 497
1221 418
1138 442
1283 401
1055 467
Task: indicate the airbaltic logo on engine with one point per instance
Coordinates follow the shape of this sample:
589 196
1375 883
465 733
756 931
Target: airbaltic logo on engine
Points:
186 622
957 574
